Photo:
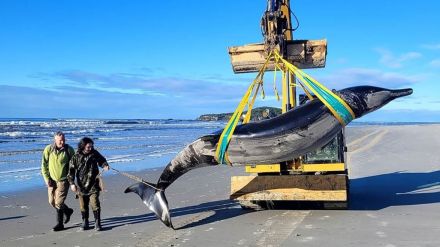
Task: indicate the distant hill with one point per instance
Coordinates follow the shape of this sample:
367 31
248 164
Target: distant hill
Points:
258 113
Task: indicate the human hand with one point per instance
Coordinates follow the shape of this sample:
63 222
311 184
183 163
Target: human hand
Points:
106 168
73 187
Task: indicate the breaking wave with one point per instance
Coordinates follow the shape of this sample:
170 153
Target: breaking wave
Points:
126 143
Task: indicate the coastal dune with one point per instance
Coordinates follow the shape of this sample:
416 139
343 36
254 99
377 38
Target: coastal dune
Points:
394 201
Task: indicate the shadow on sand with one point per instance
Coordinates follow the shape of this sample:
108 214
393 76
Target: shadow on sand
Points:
204 213
367 193
12 217
394 189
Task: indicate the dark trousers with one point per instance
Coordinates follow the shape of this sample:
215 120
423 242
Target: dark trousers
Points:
92 199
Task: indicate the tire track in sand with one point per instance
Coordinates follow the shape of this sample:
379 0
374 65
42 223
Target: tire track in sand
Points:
171 237
362 138
279 227
374 138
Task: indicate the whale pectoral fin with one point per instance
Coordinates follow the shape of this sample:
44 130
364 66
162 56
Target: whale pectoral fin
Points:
155 201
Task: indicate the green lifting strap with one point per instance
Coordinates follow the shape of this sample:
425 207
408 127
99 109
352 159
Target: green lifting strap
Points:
338 107
227 133
341 110
342 113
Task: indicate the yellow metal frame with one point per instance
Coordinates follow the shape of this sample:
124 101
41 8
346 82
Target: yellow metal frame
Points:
289 90
263 168
331 167
273 168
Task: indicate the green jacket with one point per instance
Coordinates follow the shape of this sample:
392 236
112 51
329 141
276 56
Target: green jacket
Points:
55 163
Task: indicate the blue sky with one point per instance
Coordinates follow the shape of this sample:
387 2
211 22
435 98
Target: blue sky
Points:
168 59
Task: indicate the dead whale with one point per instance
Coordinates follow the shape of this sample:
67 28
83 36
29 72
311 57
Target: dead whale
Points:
294 133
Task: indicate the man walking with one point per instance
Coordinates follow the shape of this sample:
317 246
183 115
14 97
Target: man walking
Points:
54 168
84 169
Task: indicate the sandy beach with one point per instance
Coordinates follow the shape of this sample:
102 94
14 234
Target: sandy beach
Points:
394 201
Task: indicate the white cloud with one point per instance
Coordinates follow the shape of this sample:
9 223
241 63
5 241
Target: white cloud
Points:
341 60
361 76
390 60
136 93
431 46
90 103
211 87
435 63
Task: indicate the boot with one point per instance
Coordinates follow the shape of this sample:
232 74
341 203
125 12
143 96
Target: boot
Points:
85 220
59 226
97 215
68 212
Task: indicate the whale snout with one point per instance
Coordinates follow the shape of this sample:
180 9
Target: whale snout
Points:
366 99
401 92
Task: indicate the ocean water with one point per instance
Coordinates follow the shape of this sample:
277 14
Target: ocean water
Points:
128 145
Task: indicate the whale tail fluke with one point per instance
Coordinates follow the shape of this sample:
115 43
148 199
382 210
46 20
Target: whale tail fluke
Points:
155 201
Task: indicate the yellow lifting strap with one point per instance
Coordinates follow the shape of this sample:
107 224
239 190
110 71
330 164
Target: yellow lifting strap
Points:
228 131
337 106
342 112
247 118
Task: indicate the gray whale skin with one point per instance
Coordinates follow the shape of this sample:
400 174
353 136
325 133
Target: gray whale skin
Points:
296 132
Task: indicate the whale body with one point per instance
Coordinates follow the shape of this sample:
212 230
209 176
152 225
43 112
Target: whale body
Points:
301 130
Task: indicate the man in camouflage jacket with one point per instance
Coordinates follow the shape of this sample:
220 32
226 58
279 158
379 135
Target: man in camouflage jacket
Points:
83 168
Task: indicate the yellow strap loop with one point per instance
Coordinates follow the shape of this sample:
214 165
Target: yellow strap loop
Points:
275 83
247 118
302 77
305 82
228 131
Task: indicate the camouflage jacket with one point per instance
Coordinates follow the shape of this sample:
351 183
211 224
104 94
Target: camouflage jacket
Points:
84 168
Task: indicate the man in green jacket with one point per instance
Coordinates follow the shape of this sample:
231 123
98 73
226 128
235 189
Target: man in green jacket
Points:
54 168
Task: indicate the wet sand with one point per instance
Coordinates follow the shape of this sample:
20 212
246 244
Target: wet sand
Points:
394 201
